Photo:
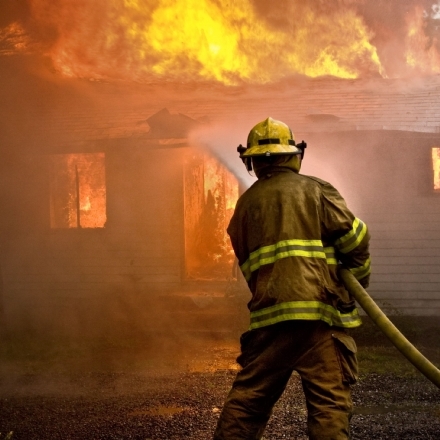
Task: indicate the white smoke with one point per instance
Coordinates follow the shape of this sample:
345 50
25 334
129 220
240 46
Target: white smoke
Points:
435 8
222 140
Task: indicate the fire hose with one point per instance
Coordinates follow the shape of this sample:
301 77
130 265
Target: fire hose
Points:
388 328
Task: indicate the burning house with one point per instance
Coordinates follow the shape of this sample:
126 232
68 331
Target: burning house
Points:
119 172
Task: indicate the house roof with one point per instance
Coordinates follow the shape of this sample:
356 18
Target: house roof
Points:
46 110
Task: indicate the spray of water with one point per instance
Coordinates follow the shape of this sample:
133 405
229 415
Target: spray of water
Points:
221 140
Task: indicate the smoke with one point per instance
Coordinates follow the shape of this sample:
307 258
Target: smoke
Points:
320 160
221 140
26 99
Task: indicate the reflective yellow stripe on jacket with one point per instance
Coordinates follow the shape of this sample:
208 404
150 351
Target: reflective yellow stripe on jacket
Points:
306 310
287 248
351 240
330 255
282 249
359 272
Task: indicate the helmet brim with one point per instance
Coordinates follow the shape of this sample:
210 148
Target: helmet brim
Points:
271 150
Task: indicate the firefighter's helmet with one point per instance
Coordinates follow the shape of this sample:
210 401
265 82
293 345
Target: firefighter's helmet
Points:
270 137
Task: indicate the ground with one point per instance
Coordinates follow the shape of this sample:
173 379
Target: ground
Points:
174 389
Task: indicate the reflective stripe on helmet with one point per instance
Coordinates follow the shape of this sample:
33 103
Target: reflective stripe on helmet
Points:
275 141
351 240
305 310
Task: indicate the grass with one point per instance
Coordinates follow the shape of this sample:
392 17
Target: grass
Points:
384 361
375 353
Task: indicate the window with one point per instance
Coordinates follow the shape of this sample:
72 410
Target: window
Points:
436 168
77 191
211 193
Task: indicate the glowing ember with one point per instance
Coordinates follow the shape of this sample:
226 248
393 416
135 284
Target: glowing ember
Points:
215 40
78 192
436 167
211 193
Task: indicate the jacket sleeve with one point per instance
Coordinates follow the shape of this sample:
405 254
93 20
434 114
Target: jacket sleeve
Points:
237 235
347 234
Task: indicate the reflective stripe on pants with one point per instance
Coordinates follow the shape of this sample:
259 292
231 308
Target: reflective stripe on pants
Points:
325 359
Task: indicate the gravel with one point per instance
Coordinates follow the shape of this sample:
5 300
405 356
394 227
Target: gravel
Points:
170 402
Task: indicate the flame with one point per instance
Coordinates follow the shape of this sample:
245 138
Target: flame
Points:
436 167
422 54
14 39
211 193
85 204
73 176
229 41
218 40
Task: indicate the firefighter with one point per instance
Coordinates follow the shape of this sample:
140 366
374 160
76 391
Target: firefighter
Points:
290 233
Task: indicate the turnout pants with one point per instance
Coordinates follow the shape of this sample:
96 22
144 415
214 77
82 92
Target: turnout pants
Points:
324 357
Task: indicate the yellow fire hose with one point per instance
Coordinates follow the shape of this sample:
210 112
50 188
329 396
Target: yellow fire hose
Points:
389 329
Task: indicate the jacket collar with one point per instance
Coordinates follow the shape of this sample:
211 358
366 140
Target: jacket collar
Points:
267 172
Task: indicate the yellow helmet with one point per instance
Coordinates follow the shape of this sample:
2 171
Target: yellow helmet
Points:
270 137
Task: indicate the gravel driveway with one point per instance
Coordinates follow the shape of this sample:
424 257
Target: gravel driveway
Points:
126 398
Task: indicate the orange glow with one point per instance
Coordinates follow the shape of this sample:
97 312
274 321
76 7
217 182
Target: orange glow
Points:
214 40
13 39
436 167
211 193
74 175
421 54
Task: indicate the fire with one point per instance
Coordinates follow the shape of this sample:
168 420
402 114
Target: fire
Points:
78 193
214 40
211 193
14 39
85 204
422 54
436 168
228 41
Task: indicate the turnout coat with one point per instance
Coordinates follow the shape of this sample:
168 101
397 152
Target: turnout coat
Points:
290 232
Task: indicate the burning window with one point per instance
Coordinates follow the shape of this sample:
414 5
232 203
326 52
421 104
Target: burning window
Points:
211 193
436 167
77 191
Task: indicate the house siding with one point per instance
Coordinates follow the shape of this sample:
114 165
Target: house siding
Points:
387 181
373 147
139 252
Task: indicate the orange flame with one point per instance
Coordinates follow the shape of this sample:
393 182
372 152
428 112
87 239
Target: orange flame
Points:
211 193
436 167
78 192
422 54
14 39
217 40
